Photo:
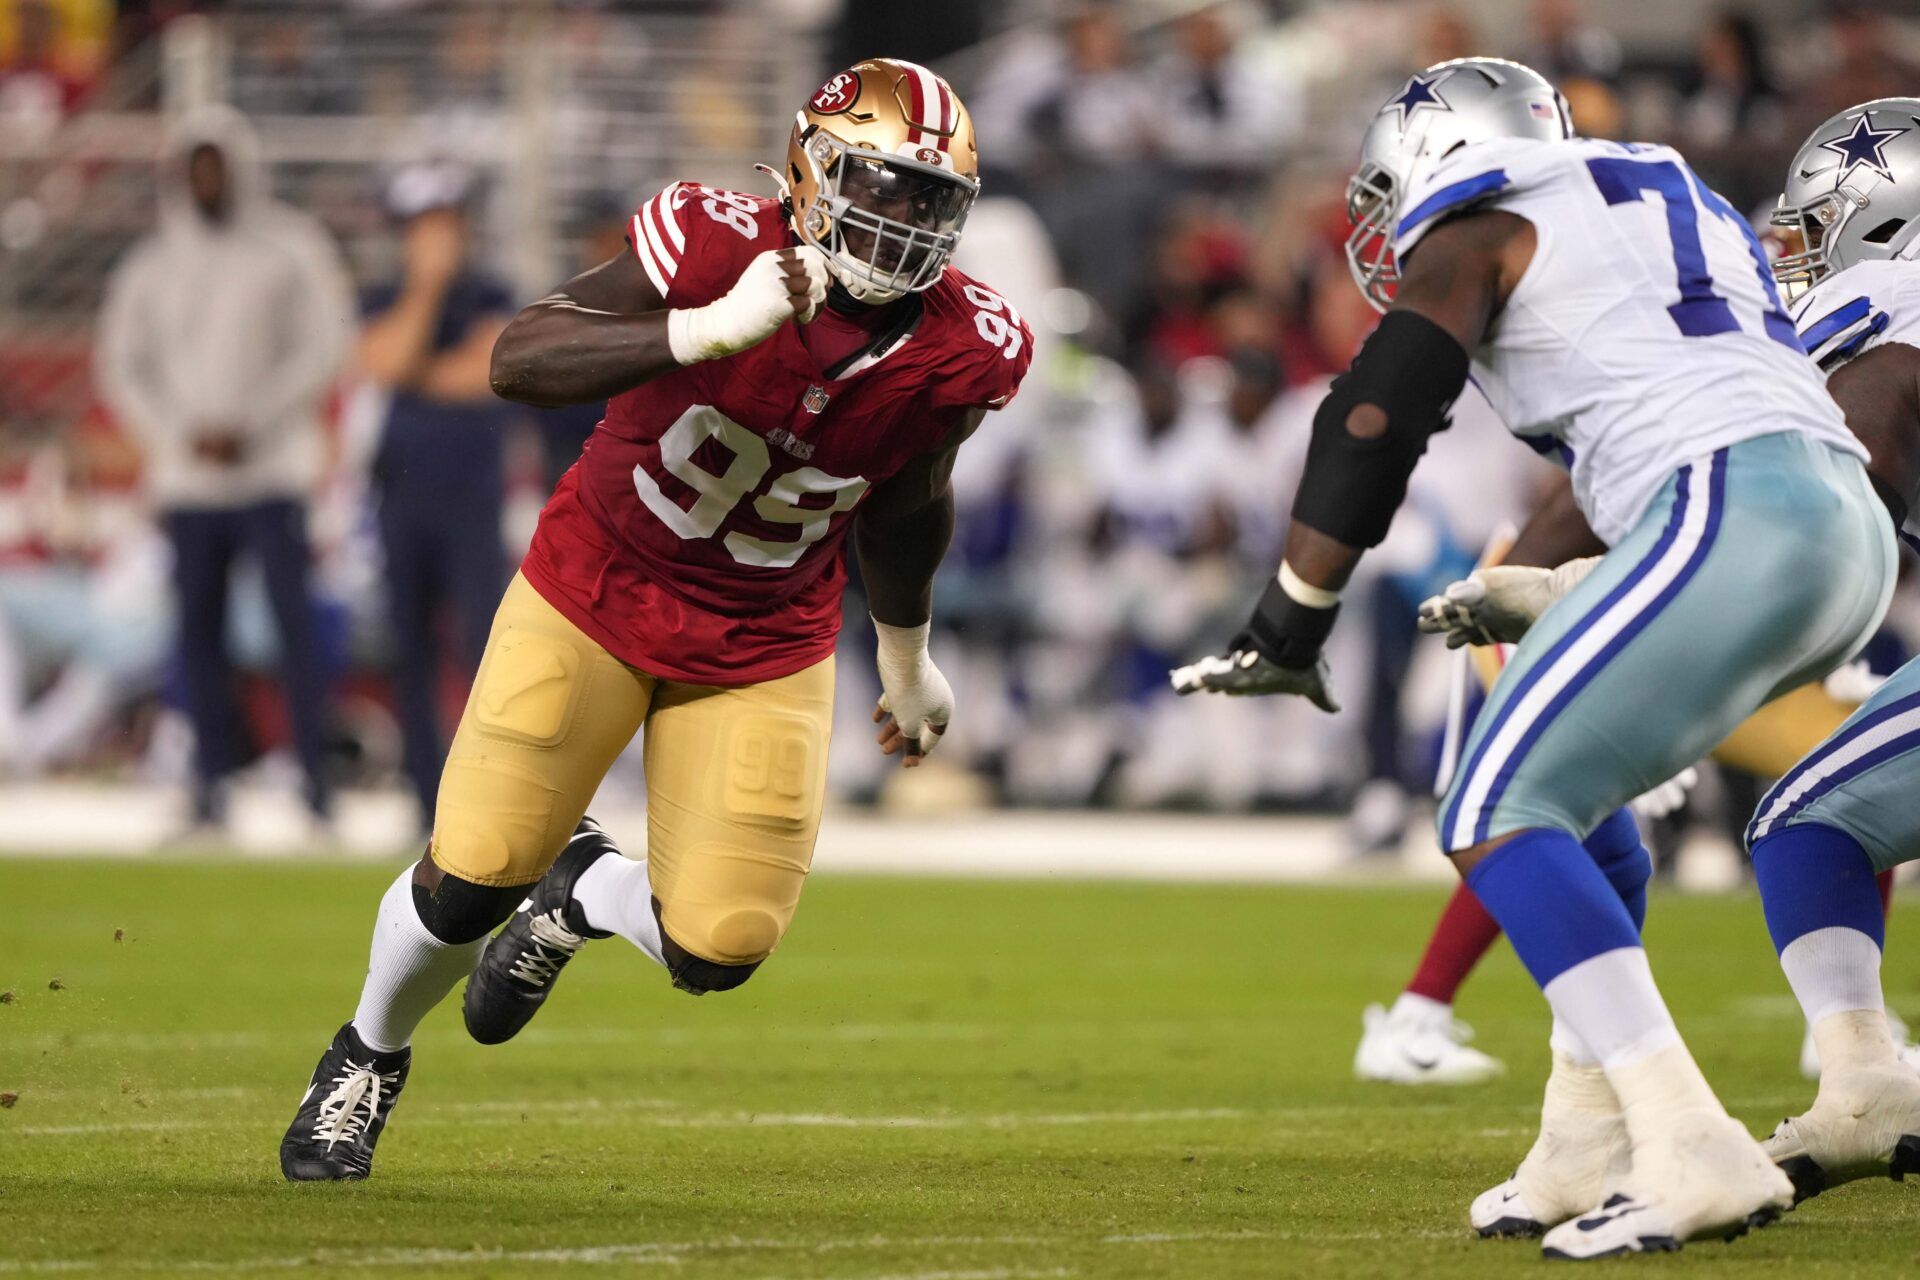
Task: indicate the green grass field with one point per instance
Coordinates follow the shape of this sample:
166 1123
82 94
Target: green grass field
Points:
933 1080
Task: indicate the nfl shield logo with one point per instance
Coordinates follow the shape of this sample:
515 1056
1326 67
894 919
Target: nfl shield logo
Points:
815 400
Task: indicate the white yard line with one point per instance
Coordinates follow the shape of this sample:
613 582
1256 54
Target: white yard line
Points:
656 1113
757 1032
506 1113
674 1253
91 819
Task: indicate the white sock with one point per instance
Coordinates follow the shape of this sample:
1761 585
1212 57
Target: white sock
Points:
408 971
1566 1043
1421 1010
615 896
1833 970
1612 1009
58 725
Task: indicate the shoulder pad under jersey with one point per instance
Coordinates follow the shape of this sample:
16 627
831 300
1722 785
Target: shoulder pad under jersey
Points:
693 240
992 345
1853 311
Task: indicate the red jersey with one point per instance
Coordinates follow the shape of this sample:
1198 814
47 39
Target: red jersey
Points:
702 534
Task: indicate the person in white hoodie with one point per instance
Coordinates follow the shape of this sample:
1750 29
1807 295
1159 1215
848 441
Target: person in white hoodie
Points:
220 336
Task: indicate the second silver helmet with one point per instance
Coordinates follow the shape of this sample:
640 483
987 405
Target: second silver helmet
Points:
1853 192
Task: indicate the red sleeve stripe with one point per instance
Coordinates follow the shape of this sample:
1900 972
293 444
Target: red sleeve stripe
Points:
667 211
659 253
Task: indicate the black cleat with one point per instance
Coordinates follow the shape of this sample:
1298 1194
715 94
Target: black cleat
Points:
519 967
343 1111
1810 1179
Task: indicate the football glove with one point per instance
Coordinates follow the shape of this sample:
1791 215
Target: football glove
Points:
1277 652
916 702
778 286
1497 604
1667 798
1855 682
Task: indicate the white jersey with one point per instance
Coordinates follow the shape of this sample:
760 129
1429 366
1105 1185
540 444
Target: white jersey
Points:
1851 312
1647 331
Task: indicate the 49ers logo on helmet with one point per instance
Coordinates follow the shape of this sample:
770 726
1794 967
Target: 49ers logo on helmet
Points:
836 95
927 155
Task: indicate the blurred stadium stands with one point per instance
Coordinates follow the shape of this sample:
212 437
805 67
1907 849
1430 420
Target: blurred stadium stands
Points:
1164 201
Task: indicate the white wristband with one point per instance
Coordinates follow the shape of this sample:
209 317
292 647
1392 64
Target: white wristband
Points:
1303 592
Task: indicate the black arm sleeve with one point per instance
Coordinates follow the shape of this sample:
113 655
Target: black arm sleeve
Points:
1411 370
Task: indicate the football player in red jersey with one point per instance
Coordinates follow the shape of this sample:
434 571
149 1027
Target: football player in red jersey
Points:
783 372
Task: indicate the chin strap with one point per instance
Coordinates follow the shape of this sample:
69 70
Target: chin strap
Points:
778 181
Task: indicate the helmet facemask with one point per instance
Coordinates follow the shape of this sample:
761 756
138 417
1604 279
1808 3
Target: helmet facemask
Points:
887 225
1371 205
1816 222
1438 111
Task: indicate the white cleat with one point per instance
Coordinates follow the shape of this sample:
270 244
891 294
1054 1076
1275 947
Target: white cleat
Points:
1502 1212
1896 1026
1864 1124
1419 1042
1701 1176
1581 1152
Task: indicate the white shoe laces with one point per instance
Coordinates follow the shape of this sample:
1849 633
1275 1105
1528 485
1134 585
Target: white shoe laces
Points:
553 945
354 1102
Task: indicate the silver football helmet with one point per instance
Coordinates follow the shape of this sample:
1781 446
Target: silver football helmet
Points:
1436 112
1853 192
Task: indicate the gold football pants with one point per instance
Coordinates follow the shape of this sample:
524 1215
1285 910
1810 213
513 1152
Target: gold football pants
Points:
735 777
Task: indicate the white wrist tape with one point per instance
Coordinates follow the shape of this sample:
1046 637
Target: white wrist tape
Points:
680 338
755 306
902 650
1303 592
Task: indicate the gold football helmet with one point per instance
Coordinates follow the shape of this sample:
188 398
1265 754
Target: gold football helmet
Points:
881 171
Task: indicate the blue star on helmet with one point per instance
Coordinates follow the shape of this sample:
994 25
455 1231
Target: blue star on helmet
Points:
1864 146
1420 92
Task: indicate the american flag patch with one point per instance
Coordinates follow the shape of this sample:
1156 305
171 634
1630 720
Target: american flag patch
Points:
1541 110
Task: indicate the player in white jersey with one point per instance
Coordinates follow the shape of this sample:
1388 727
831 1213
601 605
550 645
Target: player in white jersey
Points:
1619 315
1847 810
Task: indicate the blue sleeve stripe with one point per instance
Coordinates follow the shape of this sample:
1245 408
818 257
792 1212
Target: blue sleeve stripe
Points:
1452 196
1834 322
1858 340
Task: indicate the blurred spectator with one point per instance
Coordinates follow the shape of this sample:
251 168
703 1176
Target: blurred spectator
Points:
1596 109
1220 113
1198 258
564 431
83 632
918 33
1735 92
1563 45
298 66
220 335
1253 493
1732 119
1079 117
1442 34
1866 61
1098 107
43 72
438 469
